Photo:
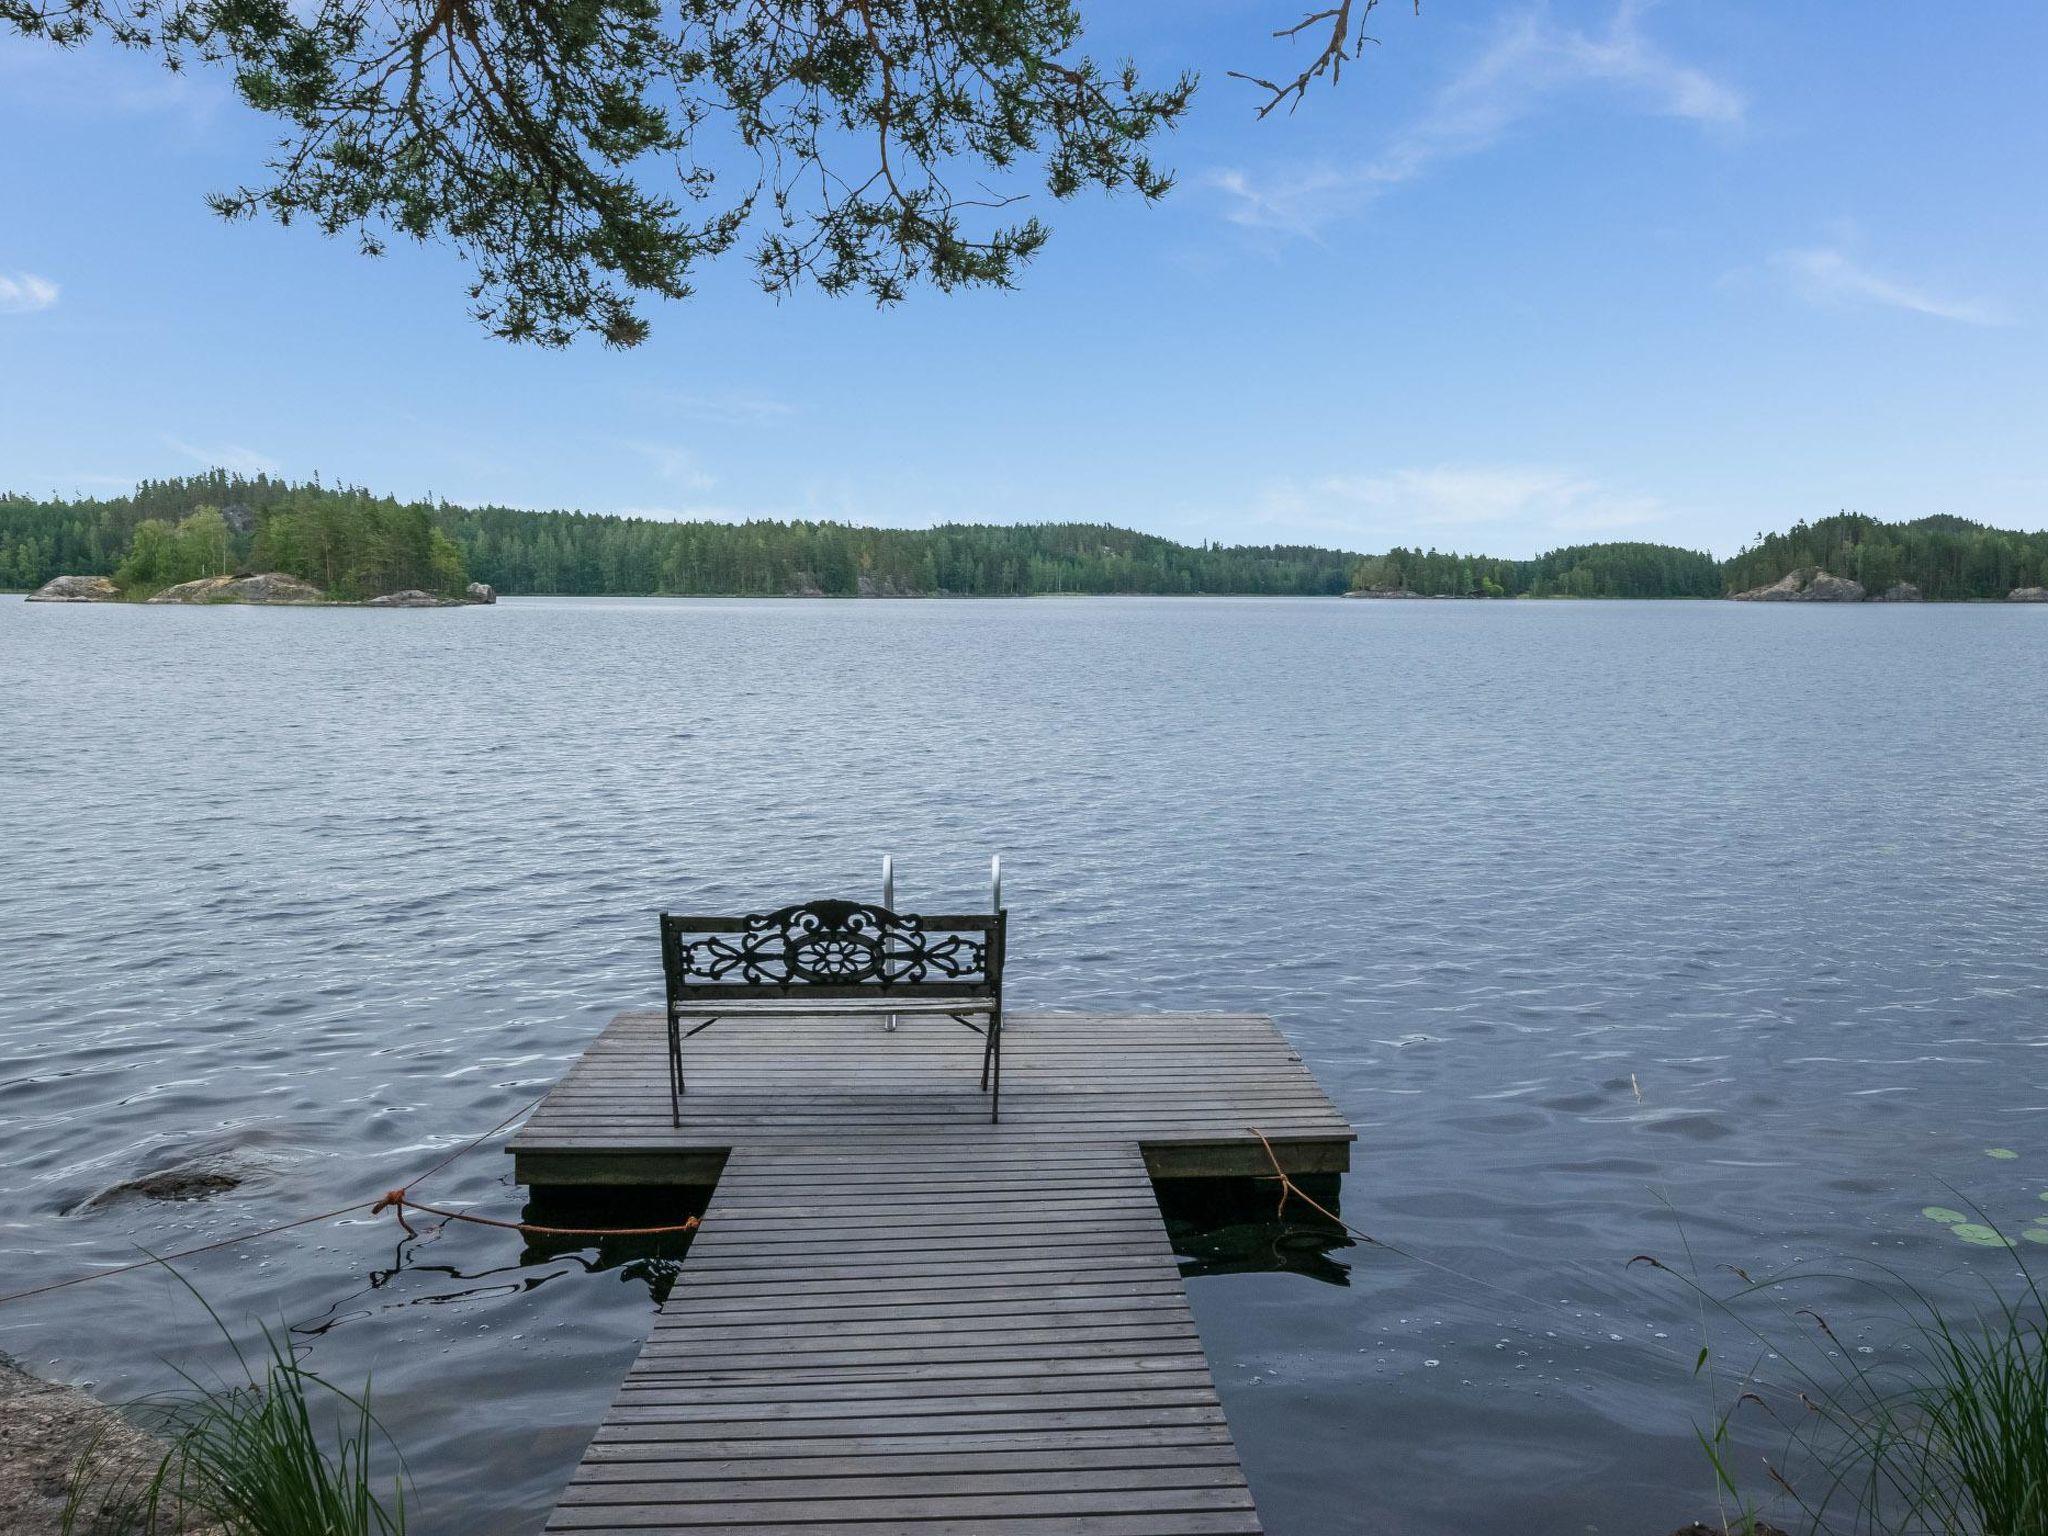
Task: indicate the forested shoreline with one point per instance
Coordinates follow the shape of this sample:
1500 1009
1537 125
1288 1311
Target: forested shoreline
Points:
350 541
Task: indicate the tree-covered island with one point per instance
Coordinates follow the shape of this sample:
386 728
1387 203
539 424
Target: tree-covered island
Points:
352 546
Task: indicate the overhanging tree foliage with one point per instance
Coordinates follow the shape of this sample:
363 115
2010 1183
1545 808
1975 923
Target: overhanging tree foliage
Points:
582 153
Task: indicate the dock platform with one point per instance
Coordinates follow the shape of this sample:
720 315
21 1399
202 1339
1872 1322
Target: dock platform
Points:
901 1320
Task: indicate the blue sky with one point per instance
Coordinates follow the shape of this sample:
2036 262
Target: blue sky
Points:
1532 275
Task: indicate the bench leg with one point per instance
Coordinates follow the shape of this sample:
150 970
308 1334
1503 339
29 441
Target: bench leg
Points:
995 1054
675 1073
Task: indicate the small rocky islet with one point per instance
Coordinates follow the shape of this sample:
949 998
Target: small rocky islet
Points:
1811 584
268 588
1808 584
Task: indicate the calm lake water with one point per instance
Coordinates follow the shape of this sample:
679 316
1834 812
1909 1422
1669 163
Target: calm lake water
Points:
1586 914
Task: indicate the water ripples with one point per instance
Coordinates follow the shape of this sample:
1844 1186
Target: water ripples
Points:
1584 913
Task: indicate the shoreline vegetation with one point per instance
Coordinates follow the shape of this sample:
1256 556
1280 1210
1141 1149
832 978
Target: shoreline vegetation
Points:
221 537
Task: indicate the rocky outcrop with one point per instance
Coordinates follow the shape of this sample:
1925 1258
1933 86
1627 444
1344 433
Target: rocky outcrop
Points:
44 1430
269 587
76 589
882 586
274 587
480 592
1904 592
2027 595
1383 592
1808 584
207 589
411 597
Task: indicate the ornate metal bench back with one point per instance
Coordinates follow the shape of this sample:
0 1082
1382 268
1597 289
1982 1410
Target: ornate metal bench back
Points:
832 949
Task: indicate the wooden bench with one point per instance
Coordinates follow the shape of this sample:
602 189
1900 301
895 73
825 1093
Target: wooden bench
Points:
829 958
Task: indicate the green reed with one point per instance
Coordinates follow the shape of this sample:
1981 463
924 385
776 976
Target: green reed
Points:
1946 1434
284 1452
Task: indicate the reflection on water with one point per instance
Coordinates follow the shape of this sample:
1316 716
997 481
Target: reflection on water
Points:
1585 914
650 1260
1239 1227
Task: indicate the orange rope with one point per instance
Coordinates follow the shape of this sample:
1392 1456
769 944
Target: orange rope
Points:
1289 1187
395 1200
226 1242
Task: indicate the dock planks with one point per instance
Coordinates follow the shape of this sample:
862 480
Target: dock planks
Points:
901 1320
1185 1087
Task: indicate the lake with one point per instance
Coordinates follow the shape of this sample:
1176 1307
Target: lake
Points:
1595 918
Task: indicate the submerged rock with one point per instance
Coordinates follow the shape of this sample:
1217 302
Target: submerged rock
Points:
481 592
269 587
76 589
1904 592
411 597
193 1182
1808 584
2027 595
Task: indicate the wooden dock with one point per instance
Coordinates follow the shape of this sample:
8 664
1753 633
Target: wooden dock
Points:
899 1318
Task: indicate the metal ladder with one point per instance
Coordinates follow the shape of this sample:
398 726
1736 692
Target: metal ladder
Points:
995 894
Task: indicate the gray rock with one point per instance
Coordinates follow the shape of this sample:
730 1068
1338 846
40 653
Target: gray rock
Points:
207 589
411 597
2027 595
870 586
1383 592
195 1181
44 1430
269 587
77 589
274 587
481 592
1904 592
1808 584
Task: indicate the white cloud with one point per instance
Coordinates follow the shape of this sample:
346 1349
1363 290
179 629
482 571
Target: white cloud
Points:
677 466
1828 275
23 293
228 456
727 406
1527 504
1529 61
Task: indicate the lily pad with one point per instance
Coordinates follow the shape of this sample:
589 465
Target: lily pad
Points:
2003 1154
2035 1234
1981 1235
1943 1214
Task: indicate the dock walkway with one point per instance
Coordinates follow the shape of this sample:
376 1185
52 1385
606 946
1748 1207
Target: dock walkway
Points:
901 1320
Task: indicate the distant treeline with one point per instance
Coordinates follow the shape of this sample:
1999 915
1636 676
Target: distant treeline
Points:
354 543
1947 558
1583 570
